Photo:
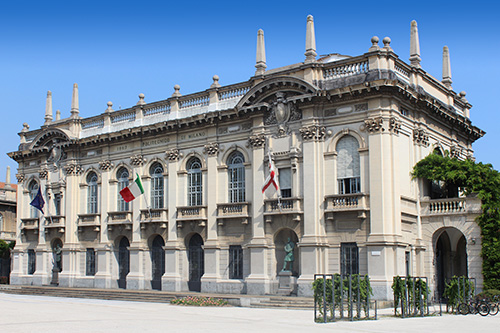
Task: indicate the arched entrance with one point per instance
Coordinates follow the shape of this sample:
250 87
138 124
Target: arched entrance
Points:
450 256
123 262
286 252
157 262
196 259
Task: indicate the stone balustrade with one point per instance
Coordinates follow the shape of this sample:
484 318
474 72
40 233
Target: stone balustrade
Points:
89 220
154 216
340 69
237 210
353 202
293 206
192 213
31 223
444 206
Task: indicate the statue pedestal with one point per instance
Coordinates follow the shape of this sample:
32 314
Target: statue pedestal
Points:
55 277
287 283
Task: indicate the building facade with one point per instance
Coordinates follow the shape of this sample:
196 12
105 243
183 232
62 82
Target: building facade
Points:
8 209
344 133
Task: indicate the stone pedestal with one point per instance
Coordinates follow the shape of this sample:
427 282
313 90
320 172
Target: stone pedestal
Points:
286 283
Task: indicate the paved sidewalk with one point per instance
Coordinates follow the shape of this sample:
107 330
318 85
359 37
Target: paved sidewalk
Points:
21 313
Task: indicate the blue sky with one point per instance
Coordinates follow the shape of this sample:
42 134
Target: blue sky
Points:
116 50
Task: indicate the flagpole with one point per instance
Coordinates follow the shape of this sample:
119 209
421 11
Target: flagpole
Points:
147 205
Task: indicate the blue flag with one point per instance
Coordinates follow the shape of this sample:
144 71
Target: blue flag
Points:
38 201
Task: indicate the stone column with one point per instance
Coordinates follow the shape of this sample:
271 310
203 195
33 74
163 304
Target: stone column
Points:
313 242
258 281
172 279
211 275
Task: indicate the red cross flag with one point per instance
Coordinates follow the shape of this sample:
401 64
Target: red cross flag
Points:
272 178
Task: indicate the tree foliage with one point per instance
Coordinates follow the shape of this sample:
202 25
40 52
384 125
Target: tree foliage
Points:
477 178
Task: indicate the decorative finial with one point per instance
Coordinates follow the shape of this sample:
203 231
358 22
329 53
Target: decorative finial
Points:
141 99
414 45
58 115
74 102
26 127
109 109
216 82
48 108
462 96
387 43
260 59
177 93
310 41
374 46
446 68
7 179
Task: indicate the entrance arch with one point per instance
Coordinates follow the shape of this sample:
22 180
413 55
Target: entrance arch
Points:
282 251
450 254
196 259
157 262
123 262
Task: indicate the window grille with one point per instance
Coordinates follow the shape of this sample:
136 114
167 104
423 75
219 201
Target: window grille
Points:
31 261
235 262
236 173
90 262
195 185
157 190
92 195
349 258
122 176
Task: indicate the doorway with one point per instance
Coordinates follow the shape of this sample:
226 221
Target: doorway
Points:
196 259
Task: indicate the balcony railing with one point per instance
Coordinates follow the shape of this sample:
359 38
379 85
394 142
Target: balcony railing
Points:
90 221
444 206
56 222
120 219
154 215
31 223
237 210
355 202
192 213
285 206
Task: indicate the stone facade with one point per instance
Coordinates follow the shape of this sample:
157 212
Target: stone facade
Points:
8 209
344 133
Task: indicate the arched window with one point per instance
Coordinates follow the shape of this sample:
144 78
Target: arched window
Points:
195 184
122 176
348 169
33 190
236 174
157 191
92 194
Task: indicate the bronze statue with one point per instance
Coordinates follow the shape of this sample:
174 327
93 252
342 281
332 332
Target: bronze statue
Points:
289 258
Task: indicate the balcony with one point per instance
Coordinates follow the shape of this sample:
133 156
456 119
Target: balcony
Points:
154 217
341 203
90 221
236 210
56 223
30 224
285 206
120 219
450 206
191 214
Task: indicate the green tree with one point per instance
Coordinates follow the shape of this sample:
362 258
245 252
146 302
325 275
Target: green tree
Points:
477 178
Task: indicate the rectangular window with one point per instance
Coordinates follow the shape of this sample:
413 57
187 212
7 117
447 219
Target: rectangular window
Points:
31 261
349 185
90 262
122 204
285 179
57 203
236 184
92 199
349 259
157 191
408 263
235 262
195 189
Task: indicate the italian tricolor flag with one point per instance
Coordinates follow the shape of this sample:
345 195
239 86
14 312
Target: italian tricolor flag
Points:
132 191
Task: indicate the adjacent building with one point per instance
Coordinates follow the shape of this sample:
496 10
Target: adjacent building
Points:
344 133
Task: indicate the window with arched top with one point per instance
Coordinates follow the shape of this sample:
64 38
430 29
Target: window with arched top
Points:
348 165
157 184
33 190
195 183
122 175
236 177
92 193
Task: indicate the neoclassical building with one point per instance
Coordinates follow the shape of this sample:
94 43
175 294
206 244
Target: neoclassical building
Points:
344 133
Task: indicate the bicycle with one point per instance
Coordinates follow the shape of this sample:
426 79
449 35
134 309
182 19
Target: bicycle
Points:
474 307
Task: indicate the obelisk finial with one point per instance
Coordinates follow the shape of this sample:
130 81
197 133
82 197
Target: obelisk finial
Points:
446 68
310 41
260 59
74 102
48 108
414 45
